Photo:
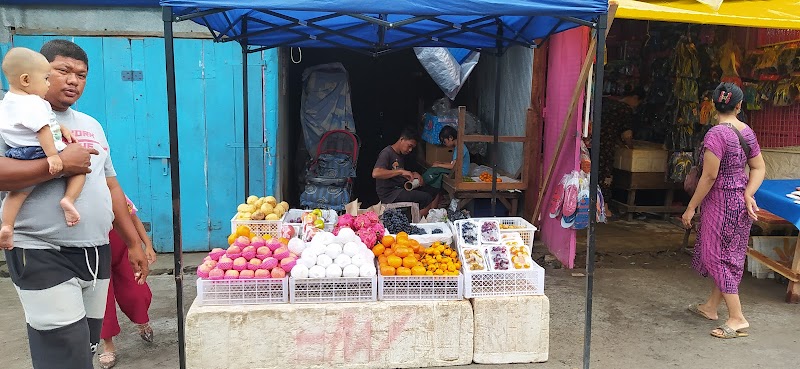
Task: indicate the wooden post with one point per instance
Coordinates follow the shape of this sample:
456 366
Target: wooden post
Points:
576 94
793 291
462 121
532 173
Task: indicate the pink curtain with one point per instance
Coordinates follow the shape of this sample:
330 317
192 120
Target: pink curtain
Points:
567 51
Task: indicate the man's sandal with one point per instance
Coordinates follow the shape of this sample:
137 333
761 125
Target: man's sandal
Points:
108 359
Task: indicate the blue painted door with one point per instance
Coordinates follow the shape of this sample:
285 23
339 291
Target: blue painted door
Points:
210 123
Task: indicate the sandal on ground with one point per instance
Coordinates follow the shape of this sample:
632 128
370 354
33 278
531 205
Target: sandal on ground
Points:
728 332
695 309
108 359
146 332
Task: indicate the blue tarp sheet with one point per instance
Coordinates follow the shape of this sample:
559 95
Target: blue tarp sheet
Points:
120 3
771 196
341 23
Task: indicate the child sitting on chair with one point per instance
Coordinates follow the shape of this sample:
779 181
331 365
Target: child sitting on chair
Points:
29 128
448 137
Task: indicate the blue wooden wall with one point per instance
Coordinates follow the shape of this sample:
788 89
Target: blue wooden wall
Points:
209 96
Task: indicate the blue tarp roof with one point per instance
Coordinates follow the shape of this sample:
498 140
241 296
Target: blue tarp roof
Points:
120 3
384 25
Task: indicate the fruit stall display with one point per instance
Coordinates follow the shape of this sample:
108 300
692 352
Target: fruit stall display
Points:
253 269
366 226
411 271
318 218
263 215
426 234
497 257
332 268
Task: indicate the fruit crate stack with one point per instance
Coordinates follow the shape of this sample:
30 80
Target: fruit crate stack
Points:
328 290
262 215
294 218
423 287
497 261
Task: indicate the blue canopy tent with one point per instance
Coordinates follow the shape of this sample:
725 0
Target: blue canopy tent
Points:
374 29
380 28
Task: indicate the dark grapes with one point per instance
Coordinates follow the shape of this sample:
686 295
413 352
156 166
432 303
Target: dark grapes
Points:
437 231
396 221
417 230
457 215
469 233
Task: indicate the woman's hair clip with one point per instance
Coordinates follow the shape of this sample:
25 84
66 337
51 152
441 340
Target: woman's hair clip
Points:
725 97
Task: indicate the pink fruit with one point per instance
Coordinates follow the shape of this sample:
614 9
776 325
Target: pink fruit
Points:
263 252
274 244
249 252
262 274
288 263
254 264
240 264
247 274
202 271
216 253
225 263
258 242
232 274
216 273
207 258
287 231
278 273
293 255
242 241
269 263
211 264
234 252
281 253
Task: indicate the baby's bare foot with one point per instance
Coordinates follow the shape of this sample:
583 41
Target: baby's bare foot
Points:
7 237
70 212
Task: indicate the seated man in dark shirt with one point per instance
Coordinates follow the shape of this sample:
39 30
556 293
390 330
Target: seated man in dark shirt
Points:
390 175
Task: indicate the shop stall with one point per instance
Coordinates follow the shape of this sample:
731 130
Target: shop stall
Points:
376 30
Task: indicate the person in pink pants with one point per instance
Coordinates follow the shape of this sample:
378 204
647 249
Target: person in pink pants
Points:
133 298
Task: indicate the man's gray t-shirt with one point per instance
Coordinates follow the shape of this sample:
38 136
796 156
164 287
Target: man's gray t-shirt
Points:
40 223
388 189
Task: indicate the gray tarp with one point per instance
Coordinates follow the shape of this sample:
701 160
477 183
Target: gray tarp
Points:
325 104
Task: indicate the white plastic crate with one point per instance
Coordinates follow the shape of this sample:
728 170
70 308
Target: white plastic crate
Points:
329 216
259 227
425 240
420 287
343 289
526 230
505 283
243 291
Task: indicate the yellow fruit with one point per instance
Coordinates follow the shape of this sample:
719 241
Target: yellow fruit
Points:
402 251
438 272
403 271
252 199
271 200
266 208
409 261
418 270
387 270
383 260
232 238
284 205
429 273
273 216
451 268
242 230
387 241
394 261
378 250
267 237
402 236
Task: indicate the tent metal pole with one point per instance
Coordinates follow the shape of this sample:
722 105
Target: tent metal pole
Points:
496 139
245 112
172 113
597 100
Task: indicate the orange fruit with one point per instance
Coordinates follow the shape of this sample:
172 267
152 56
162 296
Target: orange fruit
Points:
387 240
414 243
232 238
409 261
378 250
418 270
387 270
388 252
403 271
267 237
242 231
415 247
402 236
402 251
395 261
382 260
429 273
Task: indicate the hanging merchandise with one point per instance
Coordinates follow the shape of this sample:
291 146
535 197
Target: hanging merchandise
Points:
766 68
783 94
679 165
730 56
708 114
752 98
570 201
686 68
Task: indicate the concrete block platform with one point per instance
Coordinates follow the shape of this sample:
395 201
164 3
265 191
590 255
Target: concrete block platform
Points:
383 334
511 329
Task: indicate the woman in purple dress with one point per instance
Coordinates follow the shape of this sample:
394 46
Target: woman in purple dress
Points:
727 209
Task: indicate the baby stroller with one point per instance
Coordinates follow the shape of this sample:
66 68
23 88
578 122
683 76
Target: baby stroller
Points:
329 176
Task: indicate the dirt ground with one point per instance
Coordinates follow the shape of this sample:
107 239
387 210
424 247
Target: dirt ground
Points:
640 320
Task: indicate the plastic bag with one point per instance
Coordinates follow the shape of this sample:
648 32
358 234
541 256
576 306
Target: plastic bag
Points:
447 71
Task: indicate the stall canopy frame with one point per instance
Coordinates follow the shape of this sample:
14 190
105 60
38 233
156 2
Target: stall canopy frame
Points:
375 30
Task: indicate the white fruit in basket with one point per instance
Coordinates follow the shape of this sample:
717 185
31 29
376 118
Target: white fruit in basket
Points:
333 250
297 246
342 260
367 270
317 248
333 271
300 271
324 260
351 248
308 259
347 234
351 271
316 272
323 238
358 260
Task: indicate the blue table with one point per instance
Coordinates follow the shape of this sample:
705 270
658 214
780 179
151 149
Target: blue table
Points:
771 196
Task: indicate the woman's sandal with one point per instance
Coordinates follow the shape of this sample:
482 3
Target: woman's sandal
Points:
108 359
695 309
146 332
728 332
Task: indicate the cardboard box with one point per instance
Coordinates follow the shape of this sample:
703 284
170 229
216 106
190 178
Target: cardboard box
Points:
435 153
644 157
